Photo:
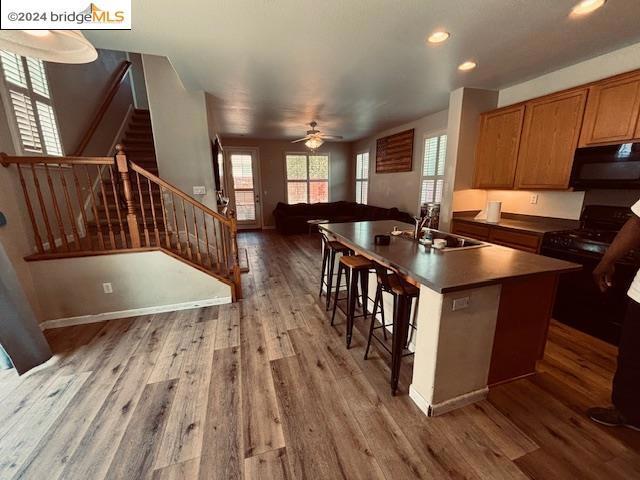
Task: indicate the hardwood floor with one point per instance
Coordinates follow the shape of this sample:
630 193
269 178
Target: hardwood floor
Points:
266 389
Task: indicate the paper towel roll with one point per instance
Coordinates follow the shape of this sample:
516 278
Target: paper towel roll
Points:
493 211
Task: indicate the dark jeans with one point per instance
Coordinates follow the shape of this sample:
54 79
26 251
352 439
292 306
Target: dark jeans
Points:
626 383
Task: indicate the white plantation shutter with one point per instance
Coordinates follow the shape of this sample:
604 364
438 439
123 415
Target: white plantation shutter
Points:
28 90
435 151
38 77
26 120
362 177
13 69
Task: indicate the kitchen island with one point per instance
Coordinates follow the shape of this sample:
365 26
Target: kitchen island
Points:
483 313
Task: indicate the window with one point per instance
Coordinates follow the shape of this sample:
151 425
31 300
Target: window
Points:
362 177
307 178
28 92
435 152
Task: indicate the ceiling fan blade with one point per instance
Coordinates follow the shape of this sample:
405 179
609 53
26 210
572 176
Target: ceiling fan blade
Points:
331 137
302 139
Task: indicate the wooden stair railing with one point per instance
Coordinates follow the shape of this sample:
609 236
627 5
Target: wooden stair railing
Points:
110 93
75 204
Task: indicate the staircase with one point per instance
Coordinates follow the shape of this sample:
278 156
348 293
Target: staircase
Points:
82 206
138 140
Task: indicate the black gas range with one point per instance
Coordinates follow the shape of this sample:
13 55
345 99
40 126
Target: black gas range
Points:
579 303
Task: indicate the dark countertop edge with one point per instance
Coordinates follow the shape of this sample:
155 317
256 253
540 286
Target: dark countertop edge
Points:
457 288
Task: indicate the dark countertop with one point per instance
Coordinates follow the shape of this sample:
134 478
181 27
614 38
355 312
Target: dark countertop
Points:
527 223
443 271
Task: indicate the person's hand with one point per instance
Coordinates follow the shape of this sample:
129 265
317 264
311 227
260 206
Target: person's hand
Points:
603 275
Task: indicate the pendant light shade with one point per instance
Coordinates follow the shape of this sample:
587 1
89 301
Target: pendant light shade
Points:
60 46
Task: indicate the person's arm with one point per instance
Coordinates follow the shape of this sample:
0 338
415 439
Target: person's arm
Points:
628 238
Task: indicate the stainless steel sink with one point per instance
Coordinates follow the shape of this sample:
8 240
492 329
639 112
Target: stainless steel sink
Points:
454 242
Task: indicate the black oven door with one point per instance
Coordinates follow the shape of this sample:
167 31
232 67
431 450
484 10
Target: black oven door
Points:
579 302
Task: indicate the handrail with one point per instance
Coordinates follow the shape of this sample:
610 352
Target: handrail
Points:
176 191
6 160
118 77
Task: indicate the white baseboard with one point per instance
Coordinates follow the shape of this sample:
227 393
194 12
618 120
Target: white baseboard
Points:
433 410
136 312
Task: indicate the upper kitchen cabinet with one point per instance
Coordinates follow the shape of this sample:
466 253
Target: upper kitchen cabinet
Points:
497 148
549 139
612 111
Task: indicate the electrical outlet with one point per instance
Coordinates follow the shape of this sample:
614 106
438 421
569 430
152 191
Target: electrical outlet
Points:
460 303
533 199
199 190
107 287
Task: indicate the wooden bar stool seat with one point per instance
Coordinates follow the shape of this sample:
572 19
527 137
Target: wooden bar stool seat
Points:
354 267
403 295
329 251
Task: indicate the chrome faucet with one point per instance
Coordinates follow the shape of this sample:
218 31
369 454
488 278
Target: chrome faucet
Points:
420 223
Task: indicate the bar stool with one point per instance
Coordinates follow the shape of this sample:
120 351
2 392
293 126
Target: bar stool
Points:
354 267
403 295
329 250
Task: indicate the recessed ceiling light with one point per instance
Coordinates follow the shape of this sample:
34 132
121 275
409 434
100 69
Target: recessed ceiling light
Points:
38 33
468 65
586 6
438 37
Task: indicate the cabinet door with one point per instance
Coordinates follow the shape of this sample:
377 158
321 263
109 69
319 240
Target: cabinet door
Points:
549 140
497 148
612 111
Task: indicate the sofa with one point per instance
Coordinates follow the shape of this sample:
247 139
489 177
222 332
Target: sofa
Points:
292 219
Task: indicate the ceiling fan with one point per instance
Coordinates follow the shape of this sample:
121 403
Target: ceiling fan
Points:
314 139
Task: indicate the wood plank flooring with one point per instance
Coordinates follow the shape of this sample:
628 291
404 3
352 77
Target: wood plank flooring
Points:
265 389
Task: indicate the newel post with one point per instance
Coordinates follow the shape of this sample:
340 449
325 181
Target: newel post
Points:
235 267
132 219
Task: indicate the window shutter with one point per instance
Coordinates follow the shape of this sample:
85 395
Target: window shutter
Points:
38 77
26 120
13 69
49 129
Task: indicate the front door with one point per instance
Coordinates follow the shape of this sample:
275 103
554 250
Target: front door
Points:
245 191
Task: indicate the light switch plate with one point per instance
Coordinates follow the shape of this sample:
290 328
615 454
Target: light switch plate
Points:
107 288
460 303
199 190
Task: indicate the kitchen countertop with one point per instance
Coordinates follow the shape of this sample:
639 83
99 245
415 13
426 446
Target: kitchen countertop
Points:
527 223
443 271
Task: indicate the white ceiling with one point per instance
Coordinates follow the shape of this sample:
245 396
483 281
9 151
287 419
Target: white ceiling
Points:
359 66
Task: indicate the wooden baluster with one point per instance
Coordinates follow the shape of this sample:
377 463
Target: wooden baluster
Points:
235 259
153 213
43 209
225 256
132 218
195 227
94 208
175 222
167 241
123 235
36 230
186 228
56 209
206 240
144 216
83 214
105 205
72 217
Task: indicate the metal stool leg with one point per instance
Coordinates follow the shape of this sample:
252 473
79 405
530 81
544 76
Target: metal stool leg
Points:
332 261
400 328
335 297
323 274
364 289
352 295
373 318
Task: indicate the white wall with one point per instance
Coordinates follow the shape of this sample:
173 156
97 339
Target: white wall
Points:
180 130
401 190
73 287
